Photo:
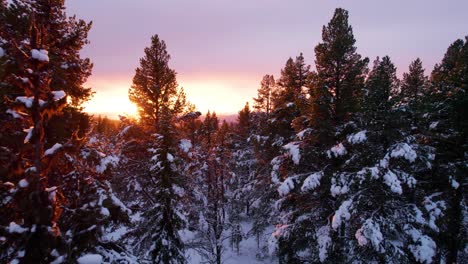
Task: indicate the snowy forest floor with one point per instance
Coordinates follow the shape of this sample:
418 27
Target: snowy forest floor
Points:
249 252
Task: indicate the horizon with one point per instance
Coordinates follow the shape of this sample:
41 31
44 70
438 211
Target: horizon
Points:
236 44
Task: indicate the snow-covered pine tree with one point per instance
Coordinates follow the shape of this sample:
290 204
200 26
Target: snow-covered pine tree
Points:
304 172
156 93
31 210
445 129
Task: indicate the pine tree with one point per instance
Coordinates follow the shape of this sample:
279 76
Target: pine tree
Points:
159 100
289 98
380 85
31 210
66 36
339 66
155 87
414 81
244 122
263 102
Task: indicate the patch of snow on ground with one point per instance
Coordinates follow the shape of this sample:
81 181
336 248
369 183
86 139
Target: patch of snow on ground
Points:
116 234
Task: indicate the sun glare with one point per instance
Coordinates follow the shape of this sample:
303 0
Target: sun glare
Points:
111 99
224 96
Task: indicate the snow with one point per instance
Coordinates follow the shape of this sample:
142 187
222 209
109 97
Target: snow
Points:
374 172
287 186
392 181
58 260
115 235
358 137
40 55
23 183
178 190
275 163
341 214
273 239
324 241
90 259
312 182
370 232
58 95
433 125
424 248
109 160
170 158
454 183
28 101
294 152
14 113
185 145
338 150
404 150
53 149
302 134
28 135
434 209
15 228
124 131
2 52
338 190
105 211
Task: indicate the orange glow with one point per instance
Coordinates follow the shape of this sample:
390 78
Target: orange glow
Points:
225 95
110 99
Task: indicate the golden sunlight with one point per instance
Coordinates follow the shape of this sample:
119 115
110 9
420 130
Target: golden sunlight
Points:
111 99
224 95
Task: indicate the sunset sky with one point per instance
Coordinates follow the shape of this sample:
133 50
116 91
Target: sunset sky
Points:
221 49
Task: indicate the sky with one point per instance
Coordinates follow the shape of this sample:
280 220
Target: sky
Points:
220 49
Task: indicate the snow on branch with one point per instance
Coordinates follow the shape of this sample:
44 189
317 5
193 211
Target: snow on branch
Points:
40 55
358 137
294 151
53 149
